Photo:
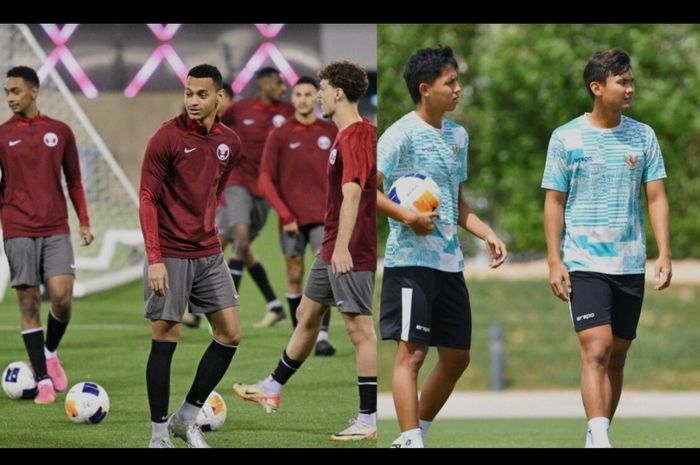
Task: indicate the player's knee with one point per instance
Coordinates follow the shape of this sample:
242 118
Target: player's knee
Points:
597 353
62 309
228 336
294 278
617 362
362 334
240 247
457 363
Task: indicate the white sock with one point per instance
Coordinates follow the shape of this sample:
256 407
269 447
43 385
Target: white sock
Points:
48 354
424 427
367 418
270 386
598 428
188 412
272 304
159 430
322 336
412 439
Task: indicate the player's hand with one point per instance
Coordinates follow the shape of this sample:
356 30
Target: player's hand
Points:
422 223
662 273
558 274
497 249
291 228
86 236
341 261
158 279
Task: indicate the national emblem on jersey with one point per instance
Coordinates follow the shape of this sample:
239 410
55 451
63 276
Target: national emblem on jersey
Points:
332 156
50 139
278 120
324 142
222 152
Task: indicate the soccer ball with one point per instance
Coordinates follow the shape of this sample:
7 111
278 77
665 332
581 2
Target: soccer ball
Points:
18 381
87 402
417 192
213 413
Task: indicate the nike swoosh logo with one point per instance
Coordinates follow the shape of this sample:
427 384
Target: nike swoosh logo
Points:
72 266
190 150
248 121
294 145
15 142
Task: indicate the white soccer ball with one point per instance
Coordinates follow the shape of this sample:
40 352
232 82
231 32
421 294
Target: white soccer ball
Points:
87 402
417 192
18 381
213 413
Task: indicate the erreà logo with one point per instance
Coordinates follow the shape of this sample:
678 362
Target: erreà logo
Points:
587 316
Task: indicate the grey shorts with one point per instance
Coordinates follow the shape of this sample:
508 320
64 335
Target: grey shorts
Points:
241 208
350 292
294 245
33 260
203 283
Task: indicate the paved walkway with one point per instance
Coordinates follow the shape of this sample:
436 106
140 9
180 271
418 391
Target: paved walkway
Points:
556 404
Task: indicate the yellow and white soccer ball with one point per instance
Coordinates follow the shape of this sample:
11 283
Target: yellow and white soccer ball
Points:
416 192
87 402
18 381
213 413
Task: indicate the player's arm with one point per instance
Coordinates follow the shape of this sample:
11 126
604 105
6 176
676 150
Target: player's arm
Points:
71 170
472 223
153 171
421 223
267 181
341 260
659 216
554 203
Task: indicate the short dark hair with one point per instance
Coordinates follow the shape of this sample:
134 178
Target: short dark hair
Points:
426 65
603 64
350 77
307 80
228 89
266 72
26 73
208 71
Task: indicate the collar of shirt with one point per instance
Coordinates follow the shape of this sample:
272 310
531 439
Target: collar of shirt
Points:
192 125
21 120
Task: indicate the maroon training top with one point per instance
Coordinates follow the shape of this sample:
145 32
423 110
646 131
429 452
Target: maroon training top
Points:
293 170
353 159
183 172
32 154
252 120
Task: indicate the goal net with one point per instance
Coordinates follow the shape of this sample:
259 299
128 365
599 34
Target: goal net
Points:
116 255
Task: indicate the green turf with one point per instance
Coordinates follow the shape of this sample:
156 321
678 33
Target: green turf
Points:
654 432
108 342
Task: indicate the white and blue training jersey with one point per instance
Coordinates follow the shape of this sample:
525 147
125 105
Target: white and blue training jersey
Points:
602 172
411 145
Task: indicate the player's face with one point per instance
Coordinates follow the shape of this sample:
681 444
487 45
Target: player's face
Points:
304 99
618 91
327 98
201 98
444 92
19 94
274 87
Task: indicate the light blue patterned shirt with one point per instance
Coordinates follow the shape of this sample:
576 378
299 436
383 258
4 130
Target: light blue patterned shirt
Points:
411 145
602 172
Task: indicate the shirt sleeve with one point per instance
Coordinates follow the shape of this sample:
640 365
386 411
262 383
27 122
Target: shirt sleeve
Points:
556 170
268 180
71 169
653 159
155 166
391 145
357 152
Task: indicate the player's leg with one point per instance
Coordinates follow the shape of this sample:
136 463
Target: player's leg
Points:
616 367
239 205
275 311
295 277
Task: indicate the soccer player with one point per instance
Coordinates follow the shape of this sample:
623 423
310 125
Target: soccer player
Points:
342 274
185 168
34 149
597 166
243 217
298 150
424 299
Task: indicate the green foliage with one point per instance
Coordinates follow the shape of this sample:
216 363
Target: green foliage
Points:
520 82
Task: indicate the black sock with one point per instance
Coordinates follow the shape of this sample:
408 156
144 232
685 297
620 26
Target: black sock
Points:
293 305
326 321
34 343
54 332
236 269
368 393
286 367
212 367
260 277
158 378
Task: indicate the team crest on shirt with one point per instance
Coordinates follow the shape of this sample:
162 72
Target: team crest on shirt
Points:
455 149
50 139
278 120
222 152
332 156
631 160
324 142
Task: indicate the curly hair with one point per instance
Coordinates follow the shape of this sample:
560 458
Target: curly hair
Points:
350 77
426 65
